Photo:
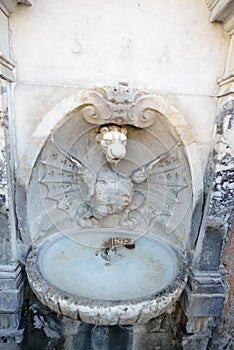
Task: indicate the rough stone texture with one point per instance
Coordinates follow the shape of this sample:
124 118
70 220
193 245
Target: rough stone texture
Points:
161 333
46 330
11 281
218 213
204 295
5 238
222 201
224 333
43 328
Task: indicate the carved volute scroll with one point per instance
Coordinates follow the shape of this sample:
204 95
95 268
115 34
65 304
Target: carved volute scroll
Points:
120 105
117 161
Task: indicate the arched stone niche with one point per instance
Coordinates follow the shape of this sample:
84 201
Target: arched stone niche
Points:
171 190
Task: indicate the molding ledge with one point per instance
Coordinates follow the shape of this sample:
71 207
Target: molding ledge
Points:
9 6
6 68
226 82
222 11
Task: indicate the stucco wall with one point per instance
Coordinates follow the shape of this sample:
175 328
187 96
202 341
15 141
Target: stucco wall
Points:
166 46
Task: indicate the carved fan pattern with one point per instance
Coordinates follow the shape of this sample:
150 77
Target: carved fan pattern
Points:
150 190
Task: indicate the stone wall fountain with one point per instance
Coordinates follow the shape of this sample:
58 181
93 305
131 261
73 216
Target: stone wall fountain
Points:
110 205
101 198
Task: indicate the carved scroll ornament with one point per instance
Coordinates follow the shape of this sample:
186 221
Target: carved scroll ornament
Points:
120 105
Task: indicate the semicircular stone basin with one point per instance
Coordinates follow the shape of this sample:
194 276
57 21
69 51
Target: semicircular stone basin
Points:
76 275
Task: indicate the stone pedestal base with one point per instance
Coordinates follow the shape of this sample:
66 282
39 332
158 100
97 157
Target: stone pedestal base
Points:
11 300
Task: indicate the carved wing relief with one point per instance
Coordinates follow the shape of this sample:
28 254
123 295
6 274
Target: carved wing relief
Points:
151 190
68 181
160 181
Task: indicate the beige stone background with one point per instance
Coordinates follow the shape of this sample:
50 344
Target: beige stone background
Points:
165 46
53 48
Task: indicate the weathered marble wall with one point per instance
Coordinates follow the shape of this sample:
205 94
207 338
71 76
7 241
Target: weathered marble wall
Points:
169 47
11 279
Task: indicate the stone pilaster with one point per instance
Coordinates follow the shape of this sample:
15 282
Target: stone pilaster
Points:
204 296
11 278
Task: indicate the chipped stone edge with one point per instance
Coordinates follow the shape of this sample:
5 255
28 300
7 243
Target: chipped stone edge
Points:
135 311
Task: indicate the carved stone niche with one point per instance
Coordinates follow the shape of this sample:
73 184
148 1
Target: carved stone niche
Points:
153 128
118 161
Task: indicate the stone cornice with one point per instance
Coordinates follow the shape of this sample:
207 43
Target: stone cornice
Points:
6 68
9 6
226 82
222 11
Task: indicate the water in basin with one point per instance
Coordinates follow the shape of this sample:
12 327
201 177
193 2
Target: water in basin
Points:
87 271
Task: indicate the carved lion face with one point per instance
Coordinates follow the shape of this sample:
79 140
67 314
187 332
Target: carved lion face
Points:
113 141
